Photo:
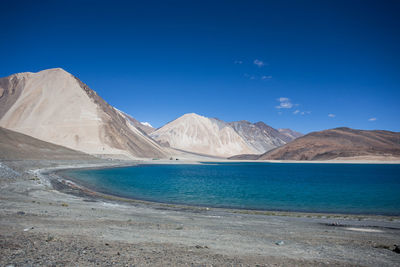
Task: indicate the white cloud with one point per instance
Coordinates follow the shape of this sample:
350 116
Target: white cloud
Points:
266 77
284 103
259 63
238 62
372 119
301 112
330 115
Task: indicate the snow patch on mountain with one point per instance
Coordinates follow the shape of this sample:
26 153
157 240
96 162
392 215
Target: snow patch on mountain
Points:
145 123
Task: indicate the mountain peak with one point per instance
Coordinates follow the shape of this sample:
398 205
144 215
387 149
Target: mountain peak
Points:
199 134
54 69
192 115
28 74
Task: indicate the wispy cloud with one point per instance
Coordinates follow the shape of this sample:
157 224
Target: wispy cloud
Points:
251 77
256 77
330 115
238 62
259 63
300 112
284 102
372 119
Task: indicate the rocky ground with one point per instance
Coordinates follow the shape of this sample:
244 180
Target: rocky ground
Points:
41 226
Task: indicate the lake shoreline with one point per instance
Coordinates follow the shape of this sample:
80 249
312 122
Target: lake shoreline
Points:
85 188
60 224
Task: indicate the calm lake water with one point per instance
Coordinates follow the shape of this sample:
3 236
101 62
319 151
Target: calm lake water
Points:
338 188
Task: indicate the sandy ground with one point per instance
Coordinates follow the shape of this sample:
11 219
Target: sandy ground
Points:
42 226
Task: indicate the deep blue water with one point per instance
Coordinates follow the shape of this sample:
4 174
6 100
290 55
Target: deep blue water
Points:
337 188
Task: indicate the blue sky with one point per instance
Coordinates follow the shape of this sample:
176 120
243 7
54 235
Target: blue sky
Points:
287 63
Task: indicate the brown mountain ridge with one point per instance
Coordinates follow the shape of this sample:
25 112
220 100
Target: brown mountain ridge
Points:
338 143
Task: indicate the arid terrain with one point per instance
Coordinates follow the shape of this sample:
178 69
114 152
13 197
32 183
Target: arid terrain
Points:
15 145
336 144
200 133
30 104
45 221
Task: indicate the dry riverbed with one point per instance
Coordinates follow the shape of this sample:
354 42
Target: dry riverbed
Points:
42 226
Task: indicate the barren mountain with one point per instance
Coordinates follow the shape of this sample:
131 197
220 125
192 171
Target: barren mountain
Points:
339 142
259 136
290 134
54 106
15 146
198 134
144 127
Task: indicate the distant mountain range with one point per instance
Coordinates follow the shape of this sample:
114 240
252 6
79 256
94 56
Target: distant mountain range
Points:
194 133
55 107
333 144
338 143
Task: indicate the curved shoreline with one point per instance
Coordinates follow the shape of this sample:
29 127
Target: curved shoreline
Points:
64 223
65 184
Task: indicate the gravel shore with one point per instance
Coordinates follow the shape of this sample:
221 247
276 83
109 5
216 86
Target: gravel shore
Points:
46 222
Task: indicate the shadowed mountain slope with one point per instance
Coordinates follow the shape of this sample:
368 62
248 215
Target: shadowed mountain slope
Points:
15 146
259 136
141 126
290 134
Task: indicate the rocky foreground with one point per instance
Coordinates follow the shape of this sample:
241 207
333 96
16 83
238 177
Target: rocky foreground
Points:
41 226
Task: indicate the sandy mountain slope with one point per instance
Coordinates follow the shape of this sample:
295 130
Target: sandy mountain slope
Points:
198 134
338 143
16 146
54 106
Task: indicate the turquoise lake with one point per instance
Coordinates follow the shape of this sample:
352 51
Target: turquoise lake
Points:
308 187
